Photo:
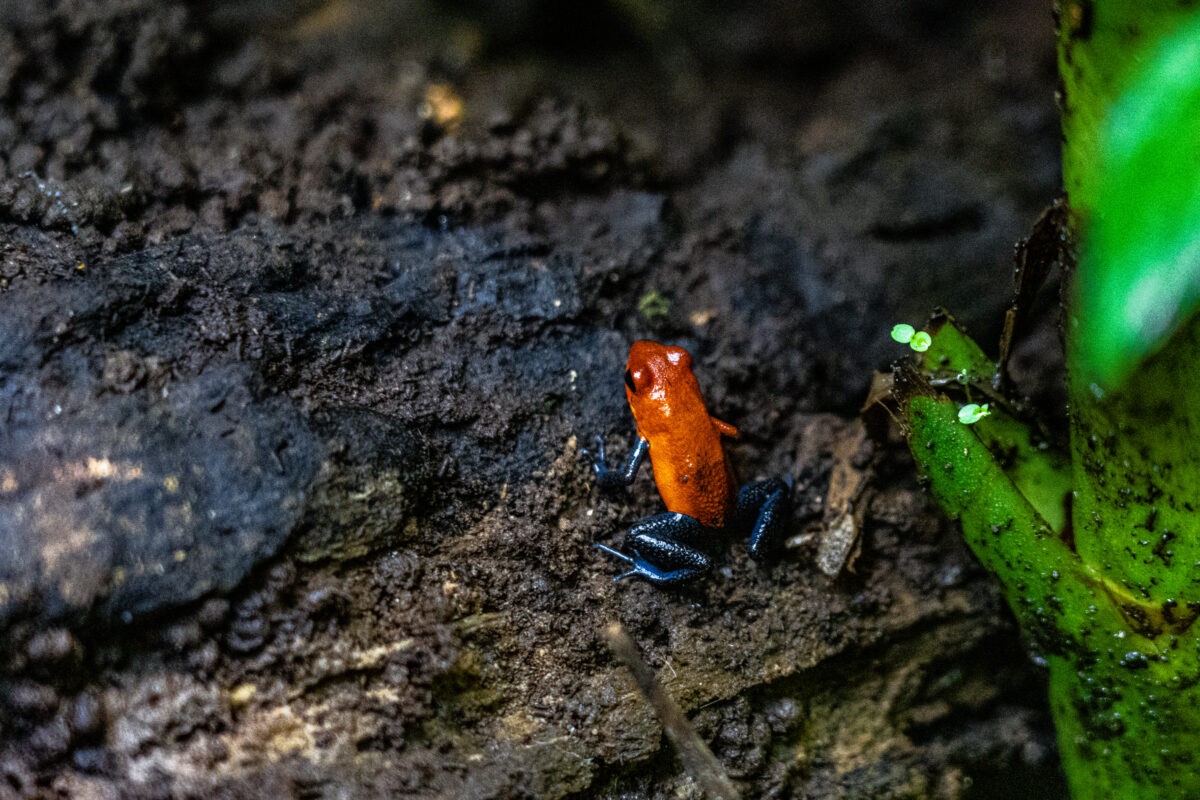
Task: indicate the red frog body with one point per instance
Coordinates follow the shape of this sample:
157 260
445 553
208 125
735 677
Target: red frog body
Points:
694 475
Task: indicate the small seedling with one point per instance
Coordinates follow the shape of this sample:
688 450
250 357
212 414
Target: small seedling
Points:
907 334
972 413
654 305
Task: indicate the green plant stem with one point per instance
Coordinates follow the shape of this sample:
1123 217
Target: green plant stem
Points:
1040 472
1123 674
1127 714
1101 601
1040 576
1108 594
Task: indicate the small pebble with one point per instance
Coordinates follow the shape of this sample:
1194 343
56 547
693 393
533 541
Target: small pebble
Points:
213 613
51 647
87 717
31 699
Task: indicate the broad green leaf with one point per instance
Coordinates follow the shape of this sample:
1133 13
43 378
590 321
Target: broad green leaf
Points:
1139 270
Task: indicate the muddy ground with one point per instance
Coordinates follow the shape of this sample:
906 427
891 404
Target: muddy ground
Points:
306 310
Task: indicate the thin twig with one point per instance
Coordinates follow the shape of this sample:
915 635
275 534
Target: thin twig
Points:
697 759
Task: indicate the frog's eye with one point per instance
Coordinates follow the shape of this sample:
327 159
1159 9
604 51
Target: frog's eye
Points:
638 378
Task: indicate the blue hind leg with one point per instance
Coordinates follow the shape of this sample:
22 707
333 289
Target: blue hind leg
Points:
665 550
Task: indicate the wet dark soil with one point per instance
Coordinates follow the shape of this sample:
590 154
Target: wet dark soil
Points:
306 310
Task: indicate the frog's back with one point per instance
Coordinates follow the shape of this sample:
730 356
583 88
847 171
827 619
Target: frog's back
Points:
693 474
690 466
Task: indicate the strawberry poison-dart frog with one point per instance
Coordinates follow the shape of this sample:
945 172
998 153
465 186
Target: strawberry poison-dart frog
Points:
694 476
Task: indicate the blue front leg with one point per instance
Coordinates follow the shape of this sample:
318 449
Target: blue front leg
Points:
610 478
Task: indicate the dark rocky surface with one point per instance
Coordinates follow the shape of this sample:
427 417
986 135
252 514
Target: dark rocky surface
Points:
306 310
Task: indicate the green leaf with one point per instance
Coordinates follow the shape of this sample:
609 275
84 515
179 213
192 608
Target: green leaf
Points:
920 341
1001 526
1139 270
653 305
972 413
953 353
1040 472
903 333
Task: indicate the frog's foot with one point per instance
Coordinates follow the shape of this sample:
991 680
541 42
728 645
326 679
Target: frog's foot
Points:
766 506
665 550
644 569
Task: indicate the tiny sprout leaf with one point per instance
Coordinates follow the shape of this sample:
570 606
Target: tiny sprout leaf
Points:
654 305
921 341
972 413
903 333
